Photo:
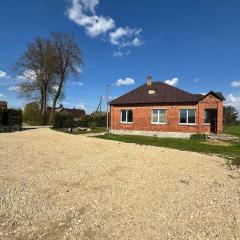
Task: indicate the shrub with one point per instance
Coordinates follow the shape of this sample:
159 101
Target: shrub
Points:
3 117
198 137
92 121
63 120
10 117
15 117
32 114
10 120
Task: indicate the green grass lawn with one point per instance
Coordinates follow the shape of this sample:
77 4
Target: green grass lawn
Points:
228 150
93 130
233 130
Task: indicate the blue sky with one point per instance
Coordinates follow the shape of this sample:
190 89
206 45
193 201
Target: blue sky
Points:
194 44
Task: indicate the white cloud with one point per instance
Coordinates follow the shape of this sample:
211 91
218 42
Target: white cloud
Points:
172 82
79 70
123 37
3 74
93 24
83 13
120 53
2 95
14 88
81 106
77 83
196 80
124 82
27 75
89 5
235 84
70 104
233 100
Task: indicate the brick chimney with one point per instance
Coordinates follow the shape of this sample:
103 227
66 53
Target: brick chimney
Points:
149 81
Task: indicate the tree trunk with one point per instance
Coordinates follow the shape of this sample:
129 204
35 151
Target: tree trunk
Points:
44 108
55 99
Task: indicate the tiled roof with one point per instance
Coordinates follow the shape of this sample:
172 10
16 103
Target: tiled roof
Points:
164 93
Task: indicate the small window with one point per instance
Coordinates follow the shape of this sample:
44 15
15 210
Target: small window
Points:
126 116
207 116
188 116
159 116
151 91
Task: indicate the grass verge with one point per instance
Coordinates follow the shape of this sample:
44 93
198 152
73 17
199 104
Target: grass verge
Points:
233 130
230 151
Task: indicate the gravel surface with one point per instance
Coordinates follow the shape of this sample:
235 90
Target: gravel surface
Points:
60 186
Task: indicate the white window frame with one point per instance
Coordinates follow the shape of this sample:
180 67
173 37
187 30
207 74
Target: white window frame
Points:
158 109
187 123
126 122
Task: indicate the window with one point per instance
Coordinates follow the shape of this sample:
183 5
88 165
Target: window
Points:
207 116
159 116
151 91
126 116
188 116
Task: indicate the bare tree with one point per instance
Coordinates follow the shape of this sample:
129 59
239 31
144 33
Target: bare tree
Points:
37 67
69 59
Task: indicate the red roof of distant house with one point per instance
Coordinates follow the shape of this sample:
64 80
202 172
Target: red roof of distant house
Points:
76 113
164 93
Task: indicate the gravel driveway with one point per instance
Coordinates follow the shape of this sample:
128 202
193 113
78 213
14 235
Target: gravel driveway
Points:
60 186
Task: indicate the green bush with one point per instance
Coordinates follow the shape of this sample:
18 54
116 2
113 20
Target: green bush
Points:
15 117
198 137
63 120
32 114
3 117
10 117
10 120
92 121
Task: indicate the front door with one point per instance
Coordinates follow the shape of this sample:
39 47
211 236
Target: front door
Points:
213 120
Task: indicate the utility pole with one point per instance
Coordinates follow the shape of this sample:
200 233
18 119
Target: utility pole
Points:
107 86
100 104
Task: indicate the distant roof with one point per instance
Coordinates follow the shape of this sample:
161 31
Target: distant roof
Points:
164 93
76 113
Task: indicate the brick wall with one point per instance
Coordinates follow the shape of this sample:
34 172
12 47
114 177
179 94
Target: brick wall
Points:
142 117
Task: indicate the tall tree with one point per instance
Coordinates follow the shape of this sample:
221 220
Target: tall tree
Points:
69 60
230 115
37 67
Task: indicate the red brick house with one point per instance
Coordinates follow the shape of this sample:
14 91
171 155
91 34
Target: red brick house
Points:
158 109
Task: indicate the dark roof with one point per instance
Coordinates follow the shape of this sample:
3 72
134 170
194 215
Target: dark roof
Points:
164 93
216 94
76 113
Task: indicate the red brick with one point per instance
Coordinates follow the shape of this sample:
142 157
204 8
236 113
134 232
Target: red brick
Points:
142 117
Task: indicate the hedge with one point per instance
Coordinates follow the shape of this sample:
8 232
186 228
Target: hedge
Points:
92 121
63 120
10 120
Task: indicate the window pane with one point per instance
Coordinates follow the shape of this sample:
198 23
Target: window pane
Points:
183 116
162 116
191 116
207 116
129 116
123 115
155 116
